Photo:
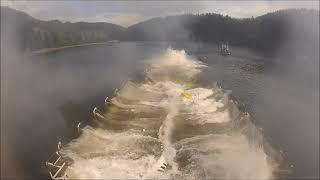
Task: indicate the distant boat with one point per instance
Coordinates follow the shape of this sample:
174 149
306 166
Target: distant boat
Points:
224 49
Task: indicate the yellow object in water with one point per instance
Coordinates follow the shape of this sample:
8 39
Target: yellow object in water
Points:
186 95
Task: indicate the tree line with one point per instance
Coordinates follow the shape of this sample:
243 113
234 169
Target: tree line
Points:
264 32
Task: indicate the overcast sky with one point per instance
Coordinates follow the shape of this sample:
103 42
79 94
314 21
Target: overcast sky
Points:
126 13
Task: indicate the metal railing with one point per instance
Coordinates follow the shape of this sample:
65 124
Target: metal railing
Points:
57 165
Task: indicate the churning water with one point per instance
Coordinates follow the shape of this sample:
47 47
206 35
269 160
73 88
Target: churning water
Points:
170 126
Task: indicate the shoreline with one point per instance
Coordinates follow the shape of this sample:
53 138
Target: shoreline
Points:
49 50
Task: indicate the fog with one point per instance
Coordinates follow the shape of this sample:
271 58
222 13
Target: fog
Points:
287 102
37 98
289 98
34 98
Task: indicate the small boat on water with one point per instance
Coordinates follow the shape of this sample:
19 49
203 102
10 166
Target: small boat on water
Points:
224 49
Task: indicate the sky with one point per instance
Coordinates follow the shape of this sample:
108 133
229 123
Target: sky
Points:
126 13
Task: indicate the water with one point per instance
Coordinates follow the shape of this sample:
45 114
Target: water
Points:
65 86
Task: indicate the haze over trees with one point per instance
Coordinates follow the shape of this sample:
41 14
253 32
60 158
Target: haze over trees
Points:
264 32
32 34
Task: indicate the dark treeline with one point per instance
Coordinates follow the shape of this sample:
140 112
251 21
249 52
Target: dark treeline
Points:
31 34
265 32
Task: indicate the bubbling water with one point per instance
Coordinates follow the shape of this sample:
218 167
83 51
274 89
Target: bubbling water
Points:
150 124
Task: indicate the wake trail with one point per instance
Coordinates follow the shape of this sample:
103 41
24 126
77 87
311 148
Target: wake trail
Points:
168 126
165 135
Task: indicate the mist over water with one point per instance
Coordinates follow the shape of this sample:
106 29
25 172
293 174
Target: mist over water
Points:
44 97
74 102
205 136
276 100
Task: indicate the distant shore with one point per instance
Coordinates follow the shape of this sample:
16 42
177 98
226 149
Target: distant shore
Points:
49 50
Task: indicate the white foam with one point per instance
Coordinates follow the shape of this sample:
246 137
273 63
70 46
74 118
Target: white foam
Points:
235 158
101 154
165 133
175 58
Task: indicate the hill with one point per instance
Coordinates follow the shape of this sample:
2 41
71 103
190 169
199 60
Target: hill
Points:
267 32
31 34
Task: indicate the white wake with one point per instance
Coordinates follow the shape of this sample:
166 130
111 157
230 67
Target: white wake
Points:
168 118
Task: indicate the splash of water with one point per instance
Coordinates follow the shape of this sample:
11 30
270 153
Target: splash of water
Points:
202 137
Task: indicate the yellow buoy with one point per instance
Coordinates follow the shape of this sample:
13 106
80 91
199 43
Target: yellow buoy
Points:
186 95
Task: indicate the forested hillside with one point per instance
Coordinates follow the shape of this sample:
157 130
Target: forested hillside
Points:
265 32
31 34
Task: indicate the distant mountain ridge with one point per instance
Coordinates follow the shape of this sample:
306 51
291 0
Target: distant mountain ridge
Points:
264 32
32 34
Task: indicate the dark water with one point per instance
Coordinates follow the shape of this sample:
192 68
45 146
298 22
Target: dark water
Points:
46 96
